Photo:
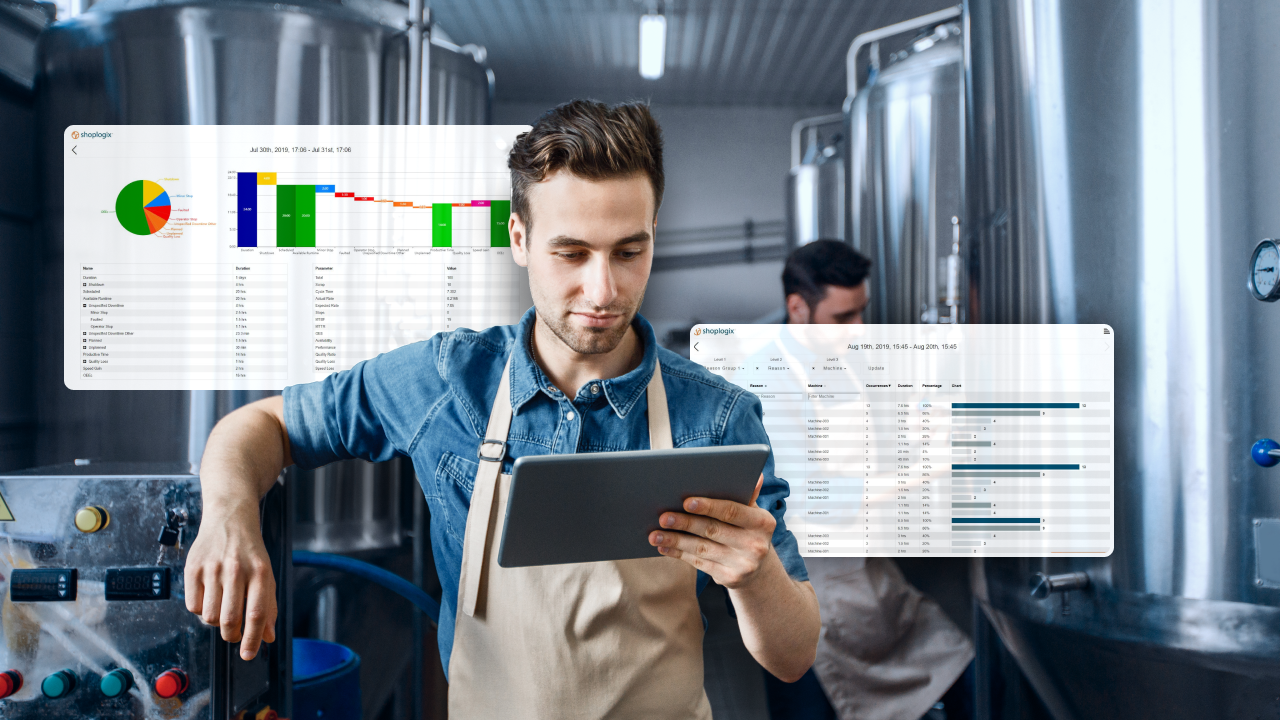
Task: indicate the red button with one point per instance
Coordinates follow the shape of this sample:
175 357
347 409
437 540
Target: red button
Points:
10 683
170 683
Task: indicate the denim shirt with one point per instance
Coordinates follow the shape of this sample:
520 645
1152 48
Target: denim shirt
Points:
430 401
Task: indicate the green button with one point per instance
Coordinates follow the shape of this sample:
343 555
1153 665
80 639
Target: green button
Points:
59 684
116 683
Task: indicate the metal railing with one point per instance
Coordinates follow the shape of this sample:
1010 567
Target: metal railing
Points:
748 242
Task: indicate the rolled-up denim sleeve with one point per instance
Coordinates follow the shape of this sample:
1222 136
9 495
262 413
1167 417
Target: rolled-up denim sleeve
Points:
368 412
745 427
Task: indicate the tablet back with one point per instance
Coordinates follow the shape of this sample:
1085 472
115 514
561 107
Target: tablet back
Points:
602 506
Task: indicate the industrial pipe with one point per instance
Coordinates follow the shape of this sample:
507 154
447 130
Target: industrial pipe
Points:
861 41
801 125
372 573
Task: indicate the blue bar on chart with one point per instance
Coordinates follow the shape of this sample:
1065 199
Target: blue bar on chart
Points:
1015 406
325 188
247 209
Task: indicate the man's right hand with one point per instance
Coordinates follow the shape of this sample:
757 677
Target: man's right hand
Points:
229 582
228 575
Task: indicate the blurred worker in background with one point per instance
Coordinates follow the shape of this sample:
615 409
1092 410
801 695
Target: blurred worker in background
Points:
823 283
887 651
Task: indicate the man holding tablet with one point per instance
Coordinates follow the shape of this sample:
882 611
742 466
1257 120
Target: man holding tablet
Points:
581 372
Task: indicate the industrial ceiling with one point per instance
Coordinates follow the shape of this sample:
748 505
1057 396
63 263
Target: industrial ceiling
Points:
719 52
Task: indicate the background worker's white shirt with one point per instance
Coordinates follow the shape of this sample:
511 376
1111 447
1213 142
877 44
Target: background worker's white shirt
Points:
887 651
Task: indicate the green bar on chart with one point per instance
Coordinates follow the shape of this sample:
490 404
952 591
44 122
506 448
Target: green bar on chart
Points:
499 215
441 225
286 216
305 204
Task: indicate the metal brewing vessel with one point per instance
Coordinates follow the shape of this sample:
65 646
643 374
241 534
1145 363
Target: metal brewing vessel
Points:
20 24
1123 165
237 62
905 153
815 184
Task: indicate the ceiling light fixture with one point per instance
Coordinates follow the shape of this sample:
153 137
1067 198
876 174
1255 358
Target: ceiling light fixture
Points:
653 46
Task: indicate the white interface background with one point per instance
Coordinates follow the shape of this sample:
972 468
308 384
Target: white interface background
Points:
933 440
255 257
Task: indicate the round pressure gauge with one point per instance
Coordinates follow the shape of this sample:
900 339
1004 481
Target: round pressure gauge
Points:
1264 271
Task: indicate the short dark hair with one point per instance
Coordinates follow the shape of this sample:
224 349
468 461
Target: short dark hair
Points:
811 268
591 140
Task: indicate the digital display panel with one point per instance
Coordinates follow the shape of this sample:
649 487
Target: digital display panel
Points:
43 585
145 583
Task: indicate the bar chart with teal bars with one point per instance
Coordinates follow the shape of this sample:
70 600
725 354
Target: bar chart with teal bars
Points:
934 440
292 210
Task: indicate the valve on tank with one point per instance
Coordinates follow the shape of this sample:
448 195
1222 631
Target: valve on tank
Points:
59 684
116 683
1265 452
10 683
171 683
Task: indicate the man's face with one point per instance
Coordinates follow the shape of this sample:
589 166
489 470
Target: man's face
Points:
839 306
588 255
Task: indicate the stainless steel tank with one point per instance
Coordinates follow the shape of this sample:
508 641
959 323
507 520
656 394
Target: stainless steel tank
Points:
1123 165
905 153
20 24
815 184
235 62
349 506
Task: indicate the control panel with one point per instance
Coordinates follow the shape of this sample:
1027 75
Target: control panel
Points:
94 617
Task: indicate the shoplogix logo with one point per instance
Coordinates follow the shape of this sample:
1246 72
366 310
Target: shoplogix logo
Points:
712 331
77 135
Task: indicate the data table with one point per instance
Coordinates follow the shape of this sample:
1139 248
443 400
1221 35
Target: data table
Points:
254 257
933 440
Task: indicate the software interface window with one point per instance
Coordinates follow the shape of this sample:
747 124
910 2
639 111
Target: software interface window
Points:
933 440
255 257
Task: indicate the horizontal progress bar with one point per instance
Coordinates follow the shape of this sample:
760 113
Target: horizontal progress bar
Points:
995 413
971 443
1015 406
989 521
998 528
979 466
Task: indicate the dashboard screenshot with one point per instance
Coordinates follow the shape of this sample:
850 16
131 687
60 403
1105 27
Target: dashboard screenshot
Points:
926 440
255 257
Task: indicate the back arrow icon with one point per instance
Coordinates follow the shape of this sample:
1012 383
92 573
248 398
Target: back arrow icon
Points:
73 150
695 347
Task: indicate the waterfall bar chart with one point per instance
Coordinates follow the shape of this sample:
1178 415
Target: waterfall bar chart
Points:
298 213
255 257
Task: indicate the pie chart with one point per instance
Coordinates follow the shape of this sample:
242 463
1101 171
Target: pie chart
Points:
142 207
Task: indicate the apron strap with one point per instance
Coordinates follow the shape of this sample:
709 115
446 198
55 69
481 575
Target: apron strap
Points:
484 493
659 420
482 518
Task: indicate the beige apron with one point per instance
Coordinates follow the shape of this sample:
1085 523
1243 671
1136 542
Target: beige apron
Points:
886 651
586 640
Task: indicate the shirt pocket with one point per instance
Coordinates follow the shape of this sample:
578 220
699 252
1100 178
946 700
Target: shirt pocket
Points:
456 477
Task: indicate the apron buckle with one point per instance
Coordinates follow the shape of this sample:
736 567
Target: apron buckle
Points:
502 450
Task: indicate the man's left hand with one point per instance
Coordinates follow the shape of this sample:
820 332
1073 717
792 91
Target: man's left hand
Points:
729 541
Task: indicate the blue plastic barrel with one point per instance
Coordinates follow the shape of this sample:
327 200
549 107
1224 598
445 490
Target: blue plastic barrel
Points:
326 681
